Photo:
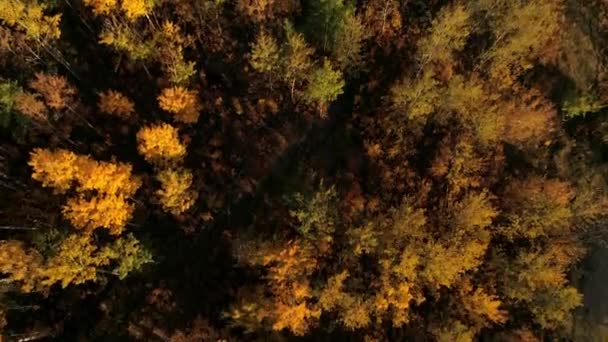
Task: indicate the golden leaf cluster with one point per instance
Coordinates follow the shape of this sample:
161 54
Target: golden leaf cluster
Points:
160 144
132 9
182 103
109 211
29 18
103 188
175 194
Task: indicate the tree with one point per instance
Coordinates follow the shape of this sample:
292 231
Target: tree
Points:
128 255
30 106
324 86
333 26
55 90
134 9
265 54
76 262
297 57
102 7
22 265
110 211
56 169
176 194
30 18
537 207
182 103
160 144
525 33
115 103
449 33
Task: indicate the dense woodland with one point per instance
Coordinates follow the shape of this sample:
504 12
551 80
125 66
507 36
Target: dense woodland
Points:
306 170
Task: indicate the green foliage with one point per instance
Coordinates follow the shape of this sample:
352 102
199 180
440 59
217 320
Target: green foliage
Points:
317 214
129 255
8 92
581 105
324 85
333 26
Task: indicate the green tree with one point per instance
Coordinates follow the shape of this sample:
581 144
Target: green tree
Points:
324 86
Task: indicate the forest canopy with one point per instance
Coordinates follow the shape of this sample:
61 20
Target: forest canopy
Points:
274 170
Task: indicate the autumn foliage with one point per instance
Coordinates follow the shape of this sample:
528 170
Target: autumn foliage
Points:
323 170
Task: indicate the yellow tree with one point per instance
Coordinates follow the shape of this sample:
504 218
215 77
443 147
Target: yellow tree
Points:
29 17
103 188
75 262
108 211
176 194
160 144
22 265
182 103
56 169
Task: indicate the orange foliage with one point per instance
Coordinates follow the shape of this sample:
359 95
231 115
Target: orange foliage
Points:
55 90
530 116
115 103
30 106
537 207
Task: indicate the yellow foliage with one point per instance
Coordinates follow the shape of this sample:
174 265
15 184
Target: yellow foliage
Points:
176 195
525 33
110 211
265 53
102 6
355 313
115 103
105 177
393 296
55 90
123 38
474 212
23 266
181 102
29 17
453 331
296 318
444 265
476 106
55 169
75 262
134 9
332 293
418 99
61 168
481 306
160 144
449 34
